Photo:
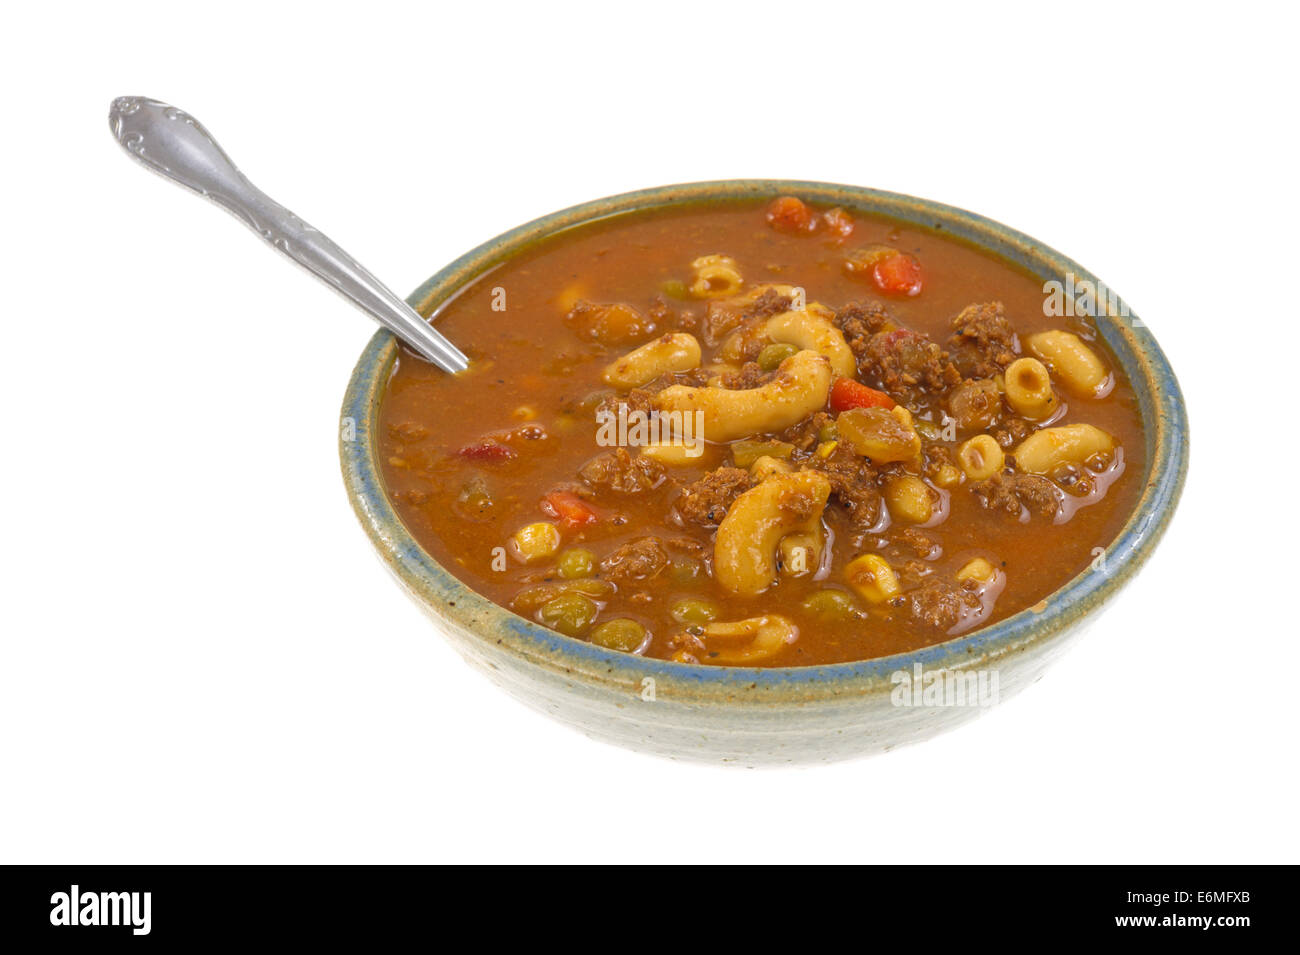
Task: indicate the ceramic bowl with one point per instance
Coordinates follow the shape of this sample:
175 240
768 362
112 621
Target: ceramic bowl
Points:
757 716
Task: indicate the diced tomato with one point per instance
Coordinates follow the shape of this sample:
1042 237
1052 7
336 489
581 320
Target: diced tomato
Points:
847 393
568 509
897 274
487 450
788 214
839 222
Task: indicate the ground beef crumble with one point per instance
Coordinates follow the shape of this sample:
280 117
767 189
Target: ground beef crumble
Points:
706 501
854 485
1015 494
936 457
720 318
621 472
663 315
858 321
913 540
640 400
769 303
638 559
806 434
941 603
1011 431
749 376
907 365
983 341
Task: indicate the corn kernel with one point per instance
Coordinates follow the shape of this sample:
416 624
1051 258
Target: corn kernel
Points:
872 578
908 498
948 476
977 569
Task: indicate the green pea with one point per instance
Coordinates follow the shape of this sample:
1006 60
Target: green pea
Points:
619 634
831 605
570 613
576 562
675 288
683 570
693 610
770 358
589 587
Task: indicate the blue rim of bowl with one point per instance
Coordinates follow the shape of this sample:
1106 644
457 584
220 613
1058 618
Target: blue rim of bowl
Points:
1162 410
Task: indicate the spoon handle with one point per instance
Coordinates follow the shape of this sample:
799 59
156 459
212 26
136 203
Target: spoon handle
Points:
174 144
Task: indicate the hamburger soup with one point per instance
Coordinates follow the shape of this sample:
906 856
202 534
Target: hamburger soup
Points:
765 434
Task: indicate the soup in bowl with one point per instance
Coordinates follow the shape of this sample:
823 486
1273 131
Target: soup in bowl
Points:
766 471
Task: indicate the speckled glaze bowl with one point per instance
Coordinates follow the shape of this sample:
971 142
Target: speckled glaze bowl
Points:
756 716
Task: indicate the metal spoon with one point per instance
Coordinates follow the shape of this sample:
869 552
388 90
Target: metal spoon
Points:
174 144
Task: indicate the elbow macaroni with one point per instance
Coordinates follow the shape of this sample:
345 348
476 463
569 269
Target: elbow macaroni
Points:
716 276
807 328
1071 360
670 454
766 635
798 389
671 353
1029 389
981 457
764 467
745 549
811 329
801 553
1044 451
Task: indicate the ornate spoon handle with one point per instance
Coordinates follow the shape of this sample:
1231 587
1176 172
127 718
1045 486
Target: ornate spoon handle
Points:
174 144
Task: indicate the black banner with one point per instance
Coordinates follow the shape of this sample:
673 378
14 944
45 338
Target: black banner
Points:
142 905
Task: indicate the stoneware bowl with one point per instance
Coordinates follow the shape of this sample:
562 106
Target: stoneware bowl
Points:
755 716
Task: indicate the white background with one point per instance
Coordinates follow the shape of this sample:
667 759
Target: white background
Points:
202 659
